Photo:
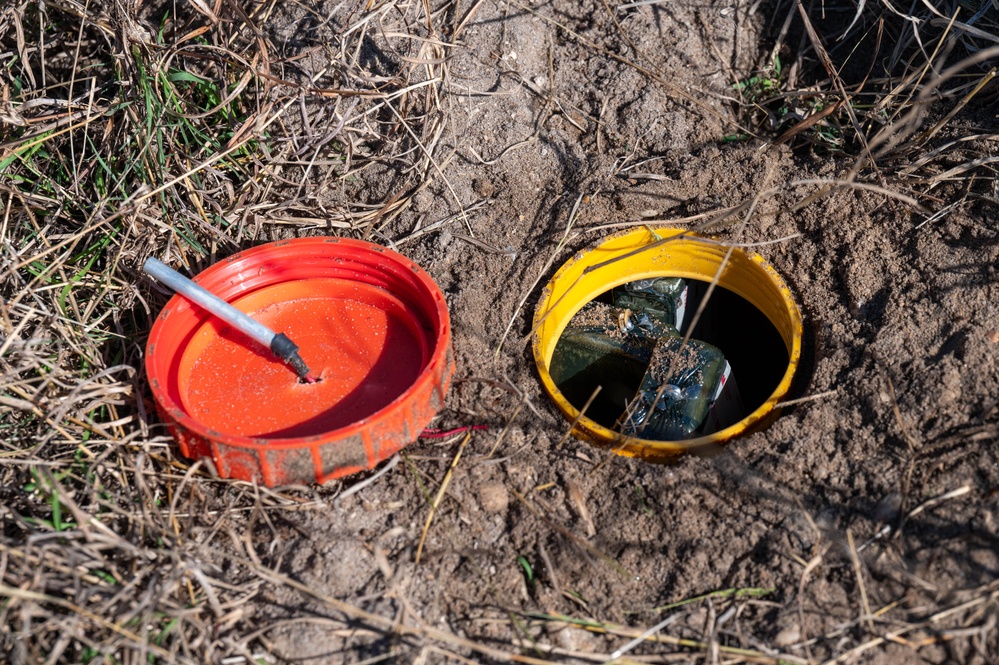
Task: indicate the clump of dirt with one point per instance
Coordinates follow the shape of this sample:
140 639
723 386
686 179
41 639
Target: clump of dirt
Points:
606 319
671 360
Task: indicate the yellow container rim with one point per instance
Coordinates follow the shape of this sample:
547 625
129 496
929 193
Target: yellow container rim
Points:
627 256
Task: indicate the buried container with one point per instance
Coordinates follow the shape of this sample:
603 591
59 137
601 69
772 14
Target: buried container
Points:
750 318
372 326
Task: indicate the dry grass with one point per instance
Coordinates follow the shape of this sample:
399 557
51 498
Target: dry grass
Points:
884 90
127 132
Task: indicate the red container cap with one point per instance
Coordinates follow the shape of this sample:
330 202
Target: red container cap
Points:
371 325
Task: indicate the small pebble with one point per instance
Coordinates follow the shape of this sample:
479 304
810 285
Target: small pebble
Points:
787 637
483 188
494 498
577 639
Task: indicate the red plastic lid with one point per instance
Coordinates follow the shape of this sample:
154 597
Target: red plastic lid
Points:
369 323
359 341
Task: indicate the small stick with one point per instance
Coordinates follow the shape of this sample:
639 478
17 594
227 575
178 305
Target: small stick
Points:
357 487
646 635
440 495
431 433
278 343
865 605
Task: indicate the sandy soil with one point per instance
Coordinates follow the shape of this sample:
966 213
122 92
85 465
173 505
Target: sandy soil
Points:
902 335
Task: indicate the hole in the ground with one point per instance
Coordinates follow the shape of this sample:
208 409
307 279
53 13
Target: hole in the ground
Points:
618 362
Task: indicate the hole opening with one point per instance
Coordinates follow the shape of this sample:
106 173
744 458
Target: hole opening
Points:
751 345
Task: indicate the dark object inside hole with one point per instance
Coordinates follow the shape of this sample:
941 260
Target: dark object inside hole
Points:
750 342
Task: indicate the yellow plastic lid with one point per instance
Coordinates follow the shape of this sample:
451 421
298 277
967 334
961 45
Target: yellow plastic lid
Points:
681 254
